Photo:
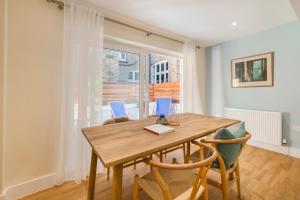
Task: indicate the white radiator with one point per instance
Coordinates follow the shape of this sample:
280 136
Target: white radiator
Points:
264 126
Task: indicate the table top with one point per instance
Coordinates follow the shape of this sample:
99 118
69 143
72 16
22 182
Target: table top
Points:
124 142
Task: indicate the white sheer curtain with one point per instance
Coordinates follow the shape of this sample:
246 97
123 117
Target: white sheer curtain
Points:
81 89
191 90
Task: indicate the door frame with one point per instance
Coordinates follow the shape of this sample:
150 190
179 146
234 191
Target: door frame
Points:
143 51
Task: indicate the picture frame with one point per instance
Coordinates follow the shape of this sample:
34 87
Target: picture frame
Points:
253 71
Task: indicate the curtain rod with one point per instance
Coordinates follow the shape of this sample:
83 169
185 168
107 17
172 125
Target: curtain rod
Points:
60 5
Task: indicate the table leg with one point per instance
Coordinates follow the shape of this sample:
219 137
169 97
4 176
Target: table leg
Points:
184 152
92 177
188 151
117 182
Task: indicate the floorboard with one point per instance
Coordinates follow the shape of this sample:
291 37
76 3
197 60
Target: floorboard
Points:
264 175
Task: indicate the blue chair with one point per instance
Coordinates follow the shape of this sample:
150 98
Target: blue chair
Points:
118 109
163 106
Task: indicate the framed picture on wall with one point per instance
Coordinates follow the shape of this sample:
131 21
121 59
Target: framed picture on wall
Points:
253 71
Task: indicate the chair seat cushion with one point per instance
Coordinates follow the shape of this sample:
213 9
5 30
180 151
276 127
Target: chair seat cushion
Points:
180 183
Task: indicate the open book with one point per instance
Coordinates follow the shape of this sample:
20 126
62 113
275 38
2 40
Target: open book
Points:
159 129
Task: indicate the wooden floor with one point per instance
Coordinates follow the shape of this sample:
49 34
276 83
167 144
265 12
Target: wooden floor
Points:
264 175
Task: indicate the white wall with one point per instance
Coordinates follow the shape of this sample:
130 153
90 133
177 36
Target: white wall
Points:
33 89
32 84
283 97
1 89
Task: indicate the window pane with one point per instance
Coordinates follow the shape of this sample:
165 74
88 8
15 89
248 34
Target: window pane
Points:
152 69
152 79
167 80
123 56
130 76
120 83
162 78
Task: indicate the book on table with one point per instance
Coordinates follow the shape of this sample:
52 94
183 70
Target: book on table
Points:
159 129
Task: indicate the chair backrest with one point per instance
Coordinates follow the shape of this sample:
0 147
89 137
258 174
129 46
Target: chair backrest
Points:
203 165
215 142
118 109
163 106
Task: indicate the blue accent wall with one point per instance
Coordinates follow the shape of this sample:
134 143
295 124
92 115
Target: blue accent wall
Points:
284 41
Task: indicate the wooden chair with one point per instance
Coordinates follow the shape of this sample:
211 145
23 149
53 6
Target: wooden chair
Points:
229 172
176 181
164 153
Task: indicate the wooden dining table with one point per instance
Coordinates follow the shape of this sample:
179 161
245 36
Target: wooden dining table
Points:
118 144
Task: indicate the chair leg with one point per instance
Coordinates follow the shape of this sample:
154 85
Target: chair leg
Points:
224 184
161 156
205 193
188 150
136 188
108 172
151 158
238 182
184 153
134 166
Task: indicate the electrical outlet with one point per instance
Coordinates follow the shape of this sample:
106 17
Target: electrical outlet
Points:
284 141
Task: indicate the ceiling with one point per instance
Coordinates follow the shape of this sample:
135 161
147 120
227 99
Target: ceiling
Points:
208 21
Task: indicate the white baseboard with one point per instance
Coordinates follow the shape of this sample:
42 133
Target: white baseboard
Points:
28 187
290 151
279 149
294 152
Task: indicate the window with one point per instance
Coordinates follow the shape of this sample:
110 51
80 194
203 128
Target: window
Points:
123 57
133 76
160 71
